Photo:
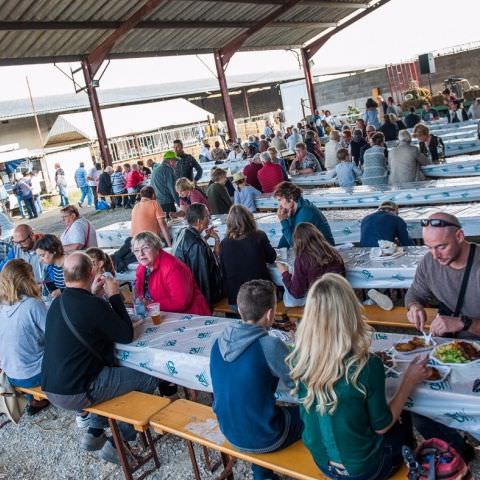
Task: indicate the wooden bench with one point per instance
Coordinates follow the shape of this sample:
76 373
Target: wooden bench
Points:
197 423
136 409
35 392
376 316
223 307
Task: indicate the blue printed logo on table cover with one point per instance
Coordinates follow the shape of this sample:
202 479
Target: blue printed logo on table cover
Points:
202 379
171 369
459 416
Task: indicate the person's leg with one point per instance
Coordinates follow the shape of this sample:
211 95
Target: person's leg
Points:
89 196
32 212
38 204
429 428
93 189
35 406
112 382
21 206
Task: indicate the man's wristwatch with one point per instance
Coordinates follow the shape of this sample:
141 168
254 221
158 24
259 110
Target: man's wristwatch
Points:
467 322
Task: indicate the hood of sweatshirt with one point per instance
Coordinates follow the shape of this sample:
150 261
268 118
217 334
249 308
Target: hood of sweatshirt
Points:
236 338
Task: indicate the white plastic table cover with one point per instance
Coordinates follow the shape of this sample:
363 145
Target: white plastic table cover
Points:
178 351
230 167
345 224
452 190
365 272
458 166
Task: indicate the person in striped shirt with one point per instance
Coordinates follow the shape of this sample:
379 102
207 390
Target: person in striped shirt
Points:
50 252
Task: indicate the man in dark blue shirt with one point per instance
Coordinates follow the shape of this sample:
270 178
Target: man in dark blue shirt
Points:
384 224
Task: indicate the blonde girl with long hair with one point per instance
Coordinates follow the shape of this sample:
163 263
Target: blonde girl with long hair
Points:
22 328
351 429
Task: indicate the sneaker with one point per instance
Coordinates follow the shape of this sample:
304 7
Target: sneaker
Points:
91 443
383 301
109 453
80 204
37 406
82 420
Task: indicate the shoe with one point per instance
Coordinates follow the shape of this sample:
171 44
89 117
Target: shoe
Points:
37 406
90 443
109 453
80 205
383 301
82 420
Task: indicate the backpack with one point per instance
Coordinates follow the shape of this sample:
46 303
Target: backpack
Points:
435 459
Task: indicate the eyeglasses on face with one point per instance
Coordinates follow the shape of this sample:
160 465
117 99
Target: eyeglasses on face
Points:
19 242
438 222
142 250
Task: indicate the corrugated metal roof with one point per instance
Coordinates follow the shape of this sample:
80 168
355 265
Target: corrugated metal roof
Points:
21 108
121 121
181 31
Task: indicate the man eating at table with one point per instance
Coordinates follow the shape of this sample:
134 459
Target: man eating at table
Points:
450 274
78 365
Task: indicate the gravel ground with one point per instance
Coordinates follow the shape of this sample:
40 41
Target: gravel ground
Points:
46 447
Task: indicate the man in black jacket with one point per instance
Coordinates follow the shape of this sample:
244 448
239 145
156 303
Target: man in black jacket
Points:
105 184
194 251
77 368
186 164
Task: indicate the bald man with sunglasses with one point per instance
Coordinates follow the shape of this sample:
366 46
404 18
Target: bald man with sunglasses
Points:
439 277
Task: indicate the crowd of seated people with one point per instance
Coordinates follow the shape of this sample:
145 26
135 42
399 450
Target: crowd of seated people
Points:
64 288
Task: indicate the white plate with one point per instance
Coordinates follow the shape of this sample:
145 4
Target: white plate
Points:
444 373
473 362
376 254
413 352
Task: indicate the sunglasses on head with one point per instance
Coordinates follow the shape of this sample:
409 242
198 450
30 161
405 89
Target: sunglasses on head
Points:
437 222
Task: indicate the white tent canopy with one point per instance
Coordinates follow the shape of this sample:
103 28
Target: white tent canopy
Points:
128 120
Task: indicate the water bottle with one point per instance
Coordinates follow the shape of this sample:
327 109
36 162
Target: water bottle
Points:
139 304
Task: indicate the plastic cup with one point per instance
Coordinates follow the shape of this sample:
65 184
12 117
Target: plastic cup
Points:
153 310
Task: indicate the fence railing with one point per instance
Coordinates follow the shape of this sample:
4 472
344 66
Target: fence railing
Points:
134 146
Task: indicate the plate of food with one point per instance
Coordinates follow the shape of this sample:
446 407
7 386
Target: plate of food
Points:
413 346
458 352
437 373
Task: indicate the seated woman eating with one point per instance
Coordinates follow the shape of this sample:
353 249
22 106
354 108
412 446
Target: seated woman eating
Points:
22 328
314 257
351 430
49 250
163 278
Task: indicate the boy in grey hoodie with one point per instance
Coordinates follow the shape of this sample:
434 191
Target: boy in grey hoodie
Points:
246 366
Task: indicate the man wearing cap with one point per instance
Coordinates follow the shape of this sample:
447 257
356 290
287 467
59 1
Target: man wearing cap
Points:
163 182
439 277
384 224
245 194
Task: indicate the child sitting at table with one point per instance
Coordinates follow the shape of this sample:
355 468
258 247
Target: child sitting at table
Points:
346 171
246 367
245 194
351 430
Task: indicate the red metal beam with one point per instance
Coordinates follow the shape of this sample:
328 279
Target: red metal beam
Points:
227 104
97 115
309 81
233 46
313 47
98 55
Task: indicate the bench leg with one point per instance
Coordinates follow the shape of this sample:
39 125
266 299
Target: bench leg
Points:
193 459
227 473
151 444
117 440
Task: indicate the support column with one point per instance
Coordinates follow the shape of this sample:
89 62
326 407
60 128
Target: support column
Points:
227 104
309 80
97 114
246 104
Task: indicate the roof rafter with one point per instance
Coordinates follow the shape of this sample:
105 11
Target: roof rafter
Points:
327 4
151 24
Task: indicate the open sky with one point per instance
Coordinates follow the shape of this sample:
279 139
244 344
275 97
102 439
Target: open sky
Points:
398 31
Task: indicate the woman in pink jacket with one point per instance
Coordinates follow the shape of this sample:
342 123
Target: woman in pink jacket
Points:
163 278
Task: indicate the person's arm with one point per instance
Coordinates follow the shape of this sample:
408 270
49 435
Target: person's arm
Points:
198 169
297 284
270 253
114 322
421 158
160 216
418 295
402 233
236 197
275 352
293 165
287 239
171 186
225 197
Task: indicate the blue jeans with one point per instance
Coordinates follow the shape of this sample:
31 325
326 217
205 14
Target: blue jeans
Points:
400 434
34 381
294 434
21 207
86 192
62 192
112 382
38 204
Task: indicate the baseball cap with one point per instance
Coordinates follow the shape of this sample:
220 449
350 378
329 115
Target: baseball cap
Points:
170 155
388 205
239 176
